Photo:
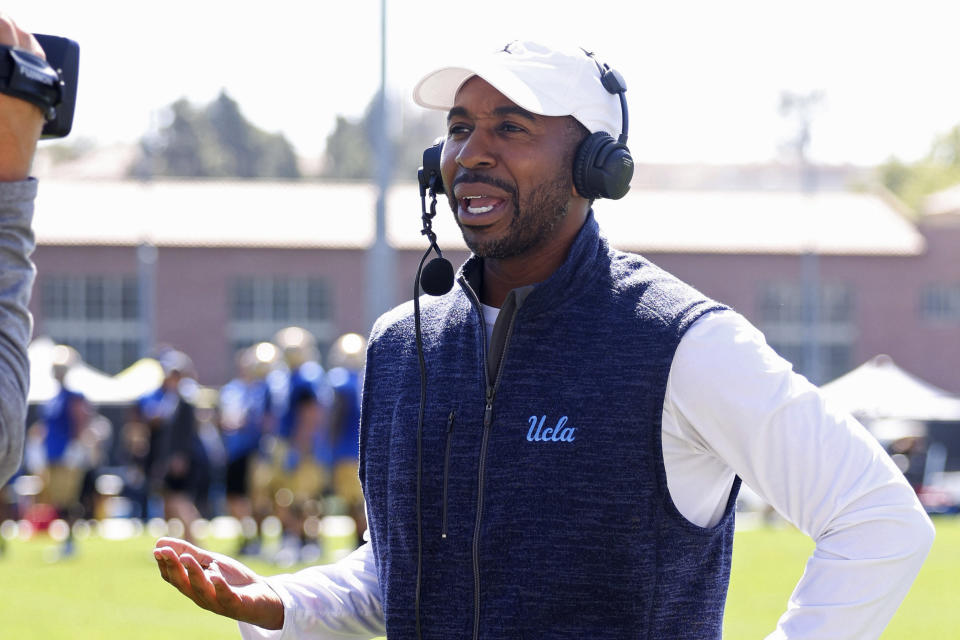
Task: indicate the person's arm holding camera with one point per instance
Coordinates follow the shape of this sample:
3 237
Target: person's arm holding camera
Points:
20 121
20 127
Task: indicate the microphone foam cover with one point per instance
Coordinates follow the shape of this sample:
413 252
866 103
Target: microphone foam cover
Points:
437 277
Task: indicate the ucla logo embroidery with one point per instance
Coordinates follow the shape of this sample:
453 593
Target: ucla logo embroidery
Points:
559 433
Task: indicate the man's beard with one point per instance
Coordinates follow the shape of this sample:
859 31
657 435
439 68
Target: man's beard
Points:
530 225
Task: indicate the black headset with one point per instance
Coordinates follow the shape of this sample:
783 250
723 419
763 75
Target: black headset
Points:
603 166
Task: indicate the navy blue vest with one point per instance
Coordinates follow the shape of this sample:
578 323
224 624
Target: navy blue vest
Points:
553 520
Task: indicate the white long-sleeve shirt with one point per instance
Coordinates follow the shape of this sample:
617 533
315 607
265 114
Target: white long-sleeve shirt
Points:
733 407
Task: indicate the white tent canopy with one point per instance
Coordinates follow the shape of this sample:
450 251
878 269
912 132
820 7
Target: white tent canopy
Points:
879 389
99 388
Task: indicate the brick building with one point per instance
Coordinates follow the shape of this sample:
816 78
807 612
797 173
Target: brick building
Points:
229 263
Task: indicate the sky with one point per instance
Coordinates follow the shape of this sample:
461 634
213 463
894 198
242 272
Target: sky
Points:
704 78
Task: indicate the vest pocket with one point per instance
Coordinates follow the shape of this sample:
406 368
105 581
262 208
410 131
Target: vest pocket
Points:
446 472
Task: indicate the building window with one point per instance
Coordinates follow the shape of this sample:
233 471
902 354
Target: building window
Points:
941 303
96 315
262 305
242 300
783 319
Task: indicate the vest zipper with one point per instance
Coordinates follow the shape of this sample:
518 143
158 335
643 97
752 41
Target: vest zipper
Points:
487 419
446 472
491 393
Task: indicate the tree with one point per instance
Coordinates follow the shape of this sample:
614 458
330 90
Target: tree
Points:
350 146
939 169
236 140
348 152
215 141
800 108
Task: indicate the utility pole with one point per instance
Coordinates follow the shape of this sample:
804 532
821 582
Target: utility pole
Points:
147 296
800 107
380 294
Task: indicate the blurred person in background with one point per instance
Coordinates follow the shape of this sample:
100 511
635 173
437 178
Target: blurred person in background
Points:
345 377
245 416
300 478
175 466
20 126
134 457
211 464
299 389
67 451
299 455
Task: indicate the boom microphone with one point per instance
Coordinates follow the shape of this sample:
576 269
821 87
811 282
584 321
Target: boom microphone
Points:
436 278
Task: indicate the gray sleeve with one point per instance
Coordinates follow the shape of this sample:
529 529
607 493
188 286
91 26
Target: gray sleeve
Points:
16 281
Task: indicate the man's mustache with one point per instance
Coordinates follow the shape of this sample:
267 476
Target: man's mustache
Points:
474 177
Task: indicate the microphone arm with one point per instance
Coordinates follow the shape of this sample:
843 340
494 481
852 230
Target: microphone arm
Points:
437 278
428 216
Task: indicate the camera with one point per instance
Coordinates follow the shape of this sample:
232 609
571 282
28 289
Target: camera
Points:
50 84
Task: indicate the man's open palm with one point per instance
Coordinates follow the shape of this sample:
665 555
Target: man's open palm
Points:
218 583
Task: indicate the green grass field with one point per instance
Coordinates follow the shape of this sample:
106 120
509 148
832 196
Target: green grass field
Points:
111 590
768 562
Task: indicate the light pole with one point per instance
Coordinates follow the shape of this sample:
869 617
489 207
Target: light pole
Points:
146 296
801 107
380 295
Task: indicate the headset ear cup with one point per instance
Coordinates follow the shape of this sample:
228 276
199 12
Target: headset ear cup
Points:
602 167
613 170
583 178
429 173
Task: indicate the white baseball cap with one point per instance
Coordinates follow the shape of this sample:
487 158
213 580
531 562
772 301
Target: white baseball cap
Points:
540 79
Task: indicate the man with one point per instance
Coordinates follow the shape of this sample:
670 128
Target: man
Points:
298 473
66 460
176 464
20 126
589 491
587 423
345 377
245 417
